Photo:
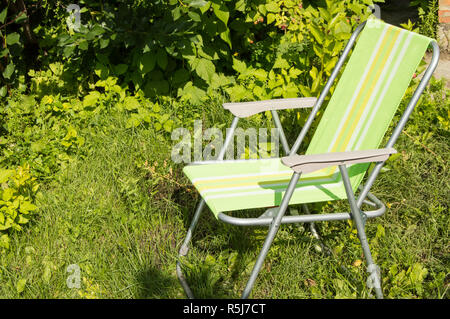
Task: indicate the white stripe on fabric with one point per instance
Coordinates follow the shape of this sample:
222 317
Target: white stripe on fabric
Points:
386 87
323 180
358 88
269 191
376 90
211 178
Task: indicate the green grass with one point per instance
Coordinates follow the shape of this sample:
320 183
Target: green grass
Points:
122 218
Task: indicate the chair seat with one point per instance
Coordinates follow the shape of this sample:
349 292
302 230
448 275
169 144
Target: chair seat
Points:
237 185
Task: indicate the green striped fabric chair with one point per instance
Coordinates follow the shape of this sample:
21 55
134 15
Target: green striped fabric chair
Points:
344 144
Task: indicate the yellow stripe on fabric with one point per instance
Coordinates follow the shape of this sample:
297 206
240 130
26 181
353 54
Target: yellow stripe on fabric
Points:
265 183
382 86
243 177
368 95
390 44
367 82
358 86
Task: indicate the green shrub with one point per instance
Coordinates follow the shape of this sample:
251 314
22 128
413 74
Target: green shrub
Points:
170 47
17 196
428 19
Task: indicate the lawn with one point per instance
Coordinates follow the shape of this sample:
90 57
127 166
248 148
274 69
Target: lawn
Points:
120 212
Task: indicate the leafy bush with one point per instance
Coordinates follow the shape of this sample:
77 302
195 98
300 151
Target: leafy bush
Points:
428 19
17 195
169 47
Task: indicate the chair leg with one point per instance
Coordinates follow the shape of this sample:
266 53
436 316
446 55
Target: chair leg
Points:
271 235
374 279
185 248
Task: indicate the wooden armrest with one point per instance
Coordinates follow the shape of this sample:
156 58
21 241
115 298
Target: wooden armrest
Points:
314 162
245 109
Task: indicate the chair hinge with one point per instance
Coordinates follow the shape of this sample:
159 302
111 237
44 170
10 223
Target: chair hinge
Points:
363 217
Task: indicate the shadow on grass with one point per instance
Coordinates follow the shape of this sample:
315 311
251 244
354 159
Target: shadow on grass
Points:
156 284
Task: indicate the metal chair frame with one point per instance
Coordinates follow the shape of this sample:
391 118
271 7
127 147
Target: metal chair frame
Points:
274 218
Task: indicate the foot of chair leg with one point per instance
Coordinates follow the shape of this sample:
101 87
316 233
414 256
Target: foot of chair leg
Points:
184 249
374 280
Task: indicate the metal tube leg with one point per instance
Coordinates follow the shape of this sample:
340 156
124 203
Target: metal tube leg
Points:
271 235
374 280
312 226
185 248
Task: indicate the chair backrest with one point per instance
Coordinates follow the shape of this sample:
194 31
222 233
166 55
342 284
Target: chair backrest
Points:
369 91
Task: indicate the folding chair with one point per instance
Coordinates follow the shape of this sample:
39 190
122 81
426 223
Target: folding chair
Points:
344 144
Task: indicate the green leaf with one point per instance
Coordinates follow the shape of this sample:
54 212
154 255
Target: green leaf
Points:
260 74
161 58
240 5
3 15
9 70
37 146
194 16
133 122
104 43
22 220
101 71
20 17
3 91
270 18
205 69
193 93
68 50
239 66
272 7
205 8
176 13
120 69
96 31
225 36
281 63
4 52
313 72
342 27
5 174
91 98
147 62
180 76
318 34
168 126
131 103
57 68
12 38
221 12
84 45
197 3
20 287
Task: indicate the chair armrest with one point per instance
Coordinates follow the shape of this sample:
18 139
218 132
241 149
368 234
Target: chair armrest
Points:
245 109
314 162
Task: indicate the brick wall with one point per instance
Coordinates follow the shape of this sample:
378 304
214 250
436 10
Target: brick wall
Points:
444 11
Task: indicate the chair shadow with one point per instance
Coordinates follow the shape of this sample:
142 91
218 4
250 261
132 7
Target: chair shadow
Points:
203 277
155 284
